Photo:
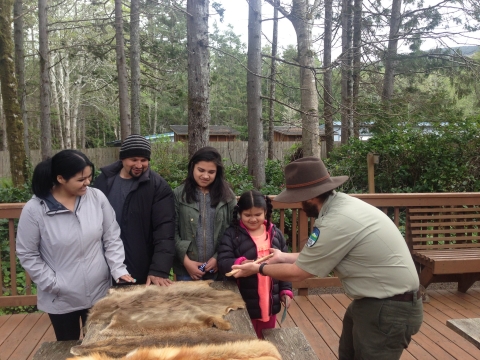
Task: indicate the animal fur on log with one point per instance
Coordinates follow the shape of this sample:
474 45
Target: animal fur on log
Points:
241 350
120 346
192 305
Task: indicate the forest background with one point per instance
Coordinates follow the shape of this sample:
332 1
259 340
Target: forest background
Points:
379 79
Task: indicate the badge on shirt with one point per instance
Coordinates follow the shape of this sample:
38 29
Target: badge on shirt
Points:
313 237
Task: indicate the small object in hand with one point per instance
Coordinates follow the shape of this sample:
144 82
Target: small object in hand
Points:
259 260
202 268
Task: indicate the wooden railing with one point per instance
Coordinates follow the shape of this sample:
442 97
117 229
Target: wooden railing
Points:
12 212
392 204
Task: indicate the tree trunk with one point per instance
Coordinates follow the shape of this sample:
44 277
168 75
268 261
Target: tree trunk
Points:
302 22
77 92
301 17
45 127
327 77
273 73
395 21
125 122
135 64
56 104
64 71
20 68
357 54
82 133
14 124
256 154
198 74
3 127
346 81
155 114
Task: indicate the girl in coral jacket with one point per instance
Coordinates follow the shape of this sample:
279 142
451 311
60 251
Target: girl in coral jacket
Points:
250 236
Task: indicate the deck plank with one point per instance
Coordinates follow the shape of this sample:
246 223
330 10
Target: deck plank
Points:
9 326
431 347
417 351
338 304
322 350
328 314
29 344
456 300
406 356
320 324
444 342
18 334
343 299
446 305
3 319
47 337
466 297
451 335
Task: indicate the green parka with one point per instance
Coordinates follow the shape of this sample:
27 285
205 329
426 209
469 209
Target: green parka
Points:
186 221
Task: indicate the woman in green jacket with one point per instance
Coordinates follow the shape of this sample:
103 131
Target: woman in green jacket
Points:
204 205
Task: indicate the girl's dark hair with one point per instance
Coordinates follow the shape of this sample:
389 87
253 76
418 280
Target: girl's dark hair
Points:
250 199
219 189
66 163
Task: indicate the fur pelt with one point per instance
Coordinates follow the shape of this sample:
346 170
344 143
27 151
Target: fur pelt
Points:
193 305
120 346
241 350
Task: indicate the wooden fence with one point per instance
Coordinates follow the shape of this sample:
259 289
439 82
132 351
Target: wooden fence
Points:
233 152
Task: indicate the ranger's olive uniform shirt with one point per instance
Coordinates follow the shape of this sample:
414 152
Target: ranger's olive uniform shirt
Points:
363 246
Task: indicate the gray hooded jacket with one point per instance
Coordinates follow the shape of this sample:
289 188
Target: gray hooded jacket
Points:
71 256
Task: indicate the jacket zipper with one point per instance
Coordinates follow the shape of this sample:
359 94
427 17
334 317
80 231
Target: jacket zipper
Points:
204 230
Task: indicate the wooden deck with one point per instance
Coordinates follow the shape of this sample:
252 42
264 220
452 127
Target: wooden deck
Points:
318 316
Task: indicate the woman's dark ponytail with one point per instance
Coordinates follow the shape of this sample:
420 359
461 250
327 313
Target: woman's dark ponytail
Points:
42 181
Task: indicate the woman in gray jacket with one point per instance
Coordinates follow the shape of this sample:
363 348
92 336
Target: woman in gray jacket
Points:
69 241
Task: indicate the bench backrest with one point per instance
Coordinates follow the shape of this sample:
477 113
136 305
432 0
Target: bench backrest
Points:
443 227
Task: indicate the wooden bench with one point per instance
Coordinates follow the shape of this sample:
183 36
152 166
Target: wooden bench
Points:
445 244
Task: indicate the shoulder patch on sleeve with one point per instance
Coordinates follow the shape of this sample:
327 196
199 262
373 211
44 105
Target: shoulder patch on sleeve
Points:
312 239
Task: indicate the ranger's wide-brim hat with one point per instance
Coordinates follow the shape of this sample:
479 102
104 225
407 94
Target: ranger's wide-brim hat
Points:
307 178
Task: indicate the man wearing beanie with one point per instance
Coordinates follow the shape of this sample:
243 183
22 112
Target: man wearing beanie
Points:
369 255
145 210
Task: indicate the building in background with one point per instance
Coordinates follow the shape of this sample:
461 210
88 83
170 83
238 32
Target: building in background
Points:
216 133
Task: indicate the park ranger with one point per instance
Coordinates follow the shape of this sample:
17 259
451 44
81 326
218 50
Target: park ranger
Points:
368 253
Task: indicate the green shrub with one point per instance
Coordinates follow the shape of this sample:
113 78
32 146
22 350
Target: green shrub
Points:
172 168
443 159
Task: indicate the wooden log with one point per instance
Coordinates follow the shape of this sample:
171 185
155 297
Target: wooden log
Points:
468 328
55 350
291 343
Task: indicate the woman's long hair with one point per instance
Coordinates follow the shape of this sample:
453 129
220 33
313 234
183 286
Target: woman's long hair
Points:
219 190
66 163
250 199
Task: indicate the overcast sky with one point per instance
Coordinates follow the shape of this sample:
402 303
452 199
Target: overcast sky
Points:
236 14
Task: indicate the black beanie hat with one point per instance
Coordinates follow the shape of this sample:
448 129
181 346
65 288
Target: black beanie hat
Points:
135 146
